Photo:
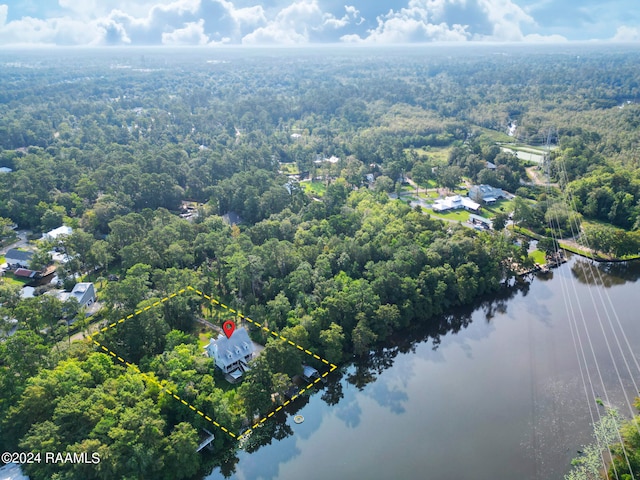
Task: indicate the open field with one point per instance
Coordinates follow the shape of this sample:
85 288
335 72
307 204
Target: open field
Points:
314 188
437 155
494 135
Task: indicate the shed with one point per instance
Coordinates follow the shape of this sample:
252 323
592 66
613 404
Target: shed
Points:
309 373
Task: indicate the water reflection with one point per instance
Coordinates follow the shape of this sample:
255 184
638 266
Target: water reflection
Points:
343 385
605 274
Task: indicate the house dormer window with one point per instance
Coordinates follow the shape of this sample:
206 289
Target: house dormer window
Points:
245 345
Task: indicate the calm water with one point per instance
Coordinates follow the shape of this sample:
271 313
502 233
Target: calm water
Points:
497 393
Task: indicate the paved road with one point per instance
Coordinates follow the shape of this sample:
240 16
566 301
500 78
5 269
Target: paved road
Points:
22 241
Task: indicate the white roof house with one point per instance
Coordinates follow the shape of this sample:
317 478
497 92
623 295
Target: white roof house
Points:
84 292
453 203
232 354
58 232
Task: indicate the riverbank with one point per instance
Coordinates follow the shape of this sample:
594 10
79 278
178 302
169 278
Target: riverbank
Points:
573 247
512 351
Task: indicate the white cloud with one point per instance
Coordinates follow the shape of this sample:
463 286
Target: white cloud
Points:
113 33
454 20
153 22
352 15
53 31
627 34
537 38
414 24
4 11
295 24
191 34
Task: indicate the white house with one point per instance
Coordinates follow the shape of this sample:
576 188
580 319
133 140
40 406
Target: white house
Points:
84 292
232 354
455 202
57 233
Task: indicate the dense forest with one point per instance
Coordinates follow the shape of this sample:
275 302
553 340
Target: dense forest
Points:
114 143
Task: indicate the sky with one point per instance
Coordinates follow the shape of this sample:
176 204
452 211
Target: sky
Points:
302 22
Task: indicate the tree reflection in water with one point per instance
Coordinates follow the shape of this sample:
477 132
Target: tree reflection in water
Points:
607 274
369 367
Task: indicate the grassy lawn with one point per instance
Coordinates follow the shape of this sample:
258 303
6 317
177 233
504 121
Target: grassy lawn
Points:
316 189
289 168
437 155
538 257
203 339
502 205
429 195
494 135
2 259
456 215
521 147
12 280
525 231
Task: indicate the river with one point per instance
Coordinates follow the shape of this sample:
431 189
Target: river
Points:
493 392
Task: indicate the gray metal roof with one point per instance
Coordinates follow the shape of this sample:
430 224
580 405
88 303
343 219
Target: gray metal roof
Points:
15 254
230 350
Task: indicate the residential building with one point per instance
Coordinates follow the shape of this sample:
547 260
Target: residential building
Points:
486 194
232 354
455 202
18 258
58 233
83 292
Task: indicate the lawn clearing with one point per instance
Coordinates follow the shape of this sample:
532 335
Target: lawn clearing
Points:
203 339
13 280
494 136
501 206
289 168
315 189
538 257
437 155
455 215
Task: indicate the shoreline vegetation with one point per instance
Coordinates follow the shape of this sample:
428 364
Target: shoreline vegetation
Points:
576 249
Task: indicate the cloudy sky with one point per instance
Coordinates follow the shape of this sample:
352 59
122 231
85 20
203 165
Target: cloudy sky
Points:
250 22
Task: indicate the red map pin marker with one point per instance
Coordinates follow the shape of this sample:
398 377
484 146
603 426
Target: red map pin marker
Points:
228 328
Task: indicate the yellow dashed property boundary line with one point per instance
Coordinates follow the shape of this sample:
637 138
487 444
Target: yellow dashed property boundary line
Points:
214 301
